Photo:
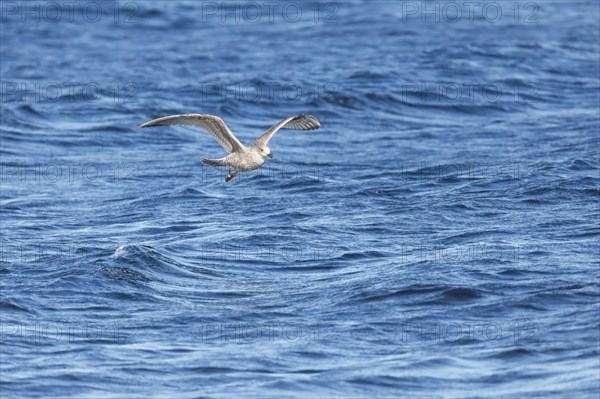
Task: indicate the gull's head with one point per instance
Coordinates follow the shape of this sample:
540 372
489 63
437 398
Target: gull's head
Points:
265 152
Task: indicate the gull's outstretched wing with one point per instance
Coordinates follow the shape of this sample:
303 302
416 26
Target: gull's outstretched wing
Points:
212 124
298 122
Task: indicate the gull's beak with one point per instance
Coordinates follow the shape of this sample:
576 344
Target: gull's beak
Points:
270 155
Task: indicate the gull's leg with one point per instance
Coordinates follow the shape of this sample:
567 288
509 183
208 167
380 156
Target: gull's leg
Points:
229 176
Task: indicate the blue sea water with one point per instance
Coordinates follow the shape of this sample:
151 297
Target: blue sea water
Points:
438 237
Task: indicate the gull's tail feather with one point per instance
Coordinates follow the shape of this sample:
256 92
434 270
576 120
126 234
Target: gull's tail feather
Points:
215 162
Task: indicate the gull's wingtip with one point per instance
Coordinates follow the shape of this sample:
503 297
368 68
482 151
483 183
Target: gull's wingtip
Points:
314 123
317 122
147 124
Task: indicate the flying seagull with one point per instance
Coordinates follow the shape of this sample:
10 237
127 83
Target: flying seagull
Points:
240 158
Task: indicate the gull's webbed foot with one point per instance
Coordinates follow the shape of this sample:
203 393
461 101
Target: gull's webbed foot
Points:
230 176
